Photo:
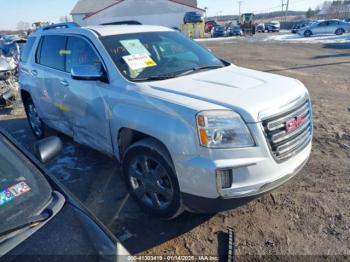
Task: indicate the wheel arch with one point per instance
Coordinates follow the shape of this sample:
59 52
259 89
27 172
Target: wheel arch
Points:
25 95
128 137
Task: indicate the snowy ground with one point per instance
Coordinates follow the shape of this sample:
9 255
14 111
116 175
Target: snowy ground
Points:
314 39
283 36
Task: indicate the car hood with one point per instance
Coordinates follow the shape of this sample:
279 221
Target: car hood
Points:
245 91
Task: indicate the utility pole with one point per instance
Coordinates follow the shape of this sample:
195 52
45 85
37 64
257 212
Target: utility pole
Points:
284 14
239 7
287 9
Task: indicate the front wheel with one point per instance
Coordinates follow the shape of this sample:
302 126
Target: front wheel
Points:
339 31
307 33
151 179
35 123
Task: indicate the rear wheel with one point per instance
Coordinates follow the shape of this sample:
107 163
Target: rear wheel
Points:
35 123
151 179
307 33
339 31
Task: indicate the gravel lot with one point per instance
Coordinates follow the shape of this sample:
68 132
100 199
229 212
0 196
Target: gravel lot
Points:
310 215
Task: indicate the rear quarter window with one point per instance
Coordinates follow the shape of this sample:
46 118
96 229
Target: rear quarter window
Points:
51 53
27 49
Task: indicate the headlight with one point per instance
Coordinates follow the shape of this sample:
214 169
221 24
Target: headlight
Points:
223 129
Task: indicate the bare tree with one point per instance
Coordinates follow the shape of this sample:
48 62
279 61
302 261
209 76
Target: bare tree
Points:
23 26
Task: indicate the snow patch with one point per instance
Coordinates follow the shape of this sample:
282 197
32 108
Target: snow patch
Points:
313 39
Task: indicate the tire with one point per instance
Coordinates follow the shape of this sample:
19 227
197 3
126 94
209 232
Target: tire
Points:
307 33
36 124
151 179
339 31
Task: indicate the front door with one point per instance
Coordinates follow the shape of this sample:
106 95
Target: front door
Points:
87 109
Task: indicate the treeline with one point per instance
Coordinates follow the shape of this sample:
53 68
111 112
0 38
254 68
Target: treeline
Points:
339 9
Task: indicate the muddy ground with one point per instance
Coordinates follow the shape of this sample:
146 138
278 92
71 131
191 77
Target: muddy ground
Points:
310 215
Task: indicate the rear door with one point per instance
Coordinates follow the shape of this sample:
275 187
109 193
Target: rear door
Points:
26 80
333 26
88 114
321 28
51 75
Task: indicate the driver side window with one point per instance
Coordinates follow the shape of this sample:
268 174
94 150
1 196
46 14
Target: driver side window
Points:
80 52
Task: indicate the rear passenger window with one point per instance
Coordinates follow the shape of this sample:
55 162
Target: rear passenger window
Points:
80 52
53 51
27 49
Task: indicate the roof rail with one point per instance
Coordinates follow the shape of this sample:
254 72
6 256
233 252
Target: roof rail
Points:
131 22
61 25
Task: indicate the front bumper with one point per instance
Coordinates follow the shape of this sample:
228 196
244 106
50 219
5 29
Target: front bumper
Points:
212 205
254 170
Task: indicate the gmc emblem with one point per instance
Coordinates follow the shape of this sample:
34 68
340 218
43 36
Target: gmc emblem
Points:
295 122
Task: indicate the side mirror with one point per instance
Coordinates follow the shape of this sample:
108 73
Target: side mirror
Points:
87 72
47 149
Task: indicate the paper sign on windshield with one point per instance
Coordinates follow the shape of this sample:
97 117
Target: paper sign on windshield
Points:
134 47
136 62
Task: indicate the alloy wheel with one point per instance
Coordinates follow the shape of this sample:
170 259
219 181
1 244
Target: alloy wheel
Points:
34 120
150 182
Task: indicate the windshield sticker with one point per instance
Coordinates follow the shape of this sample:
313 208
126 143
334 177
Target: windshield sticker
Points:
134 47
12 192
136 62
65 52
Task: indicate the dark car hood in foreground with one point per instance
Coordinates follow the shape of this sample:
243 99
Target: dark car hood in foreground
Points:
69 236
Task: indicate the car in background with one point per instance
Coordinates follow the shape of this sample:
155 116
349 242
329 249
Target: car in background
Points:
218 31
209 25
39 217
347 20
233 30
336 27
274 26
296 27
260 28
192 17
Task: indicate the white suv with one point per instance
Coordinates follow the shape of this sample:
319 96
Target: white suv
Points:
190 130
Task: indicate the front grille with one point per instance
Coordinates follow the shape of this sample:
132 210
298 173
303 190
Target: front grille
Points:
283 144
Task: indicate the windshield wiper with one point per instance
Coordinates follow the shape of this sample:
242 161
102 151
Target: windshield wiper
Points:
154 78
200 68
183 73
30 222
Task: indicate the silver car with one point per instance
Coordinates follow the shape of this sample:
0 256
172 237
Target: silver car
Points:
325 27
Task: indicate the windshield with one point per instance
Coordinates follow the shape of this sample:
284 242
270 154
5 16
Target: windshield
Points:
23 191
157 54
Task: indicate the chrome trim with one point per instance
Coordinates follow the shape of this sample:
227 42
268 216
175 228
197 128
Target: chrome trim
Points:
284 145
278 123
283 135
293 143
298 150
273 112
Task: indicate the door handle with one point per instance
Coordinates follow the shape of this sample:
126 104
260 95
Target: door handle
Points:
64 83
34 73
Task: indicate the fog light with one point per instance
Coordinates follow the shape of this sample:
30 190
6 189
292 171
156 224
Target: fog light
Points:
225 177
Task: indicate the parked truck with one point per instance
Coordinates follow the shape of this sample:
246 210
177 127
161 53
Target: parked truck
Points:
247 22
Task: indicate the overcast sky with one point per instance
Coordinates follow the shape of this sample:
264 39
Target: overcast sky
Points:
13 11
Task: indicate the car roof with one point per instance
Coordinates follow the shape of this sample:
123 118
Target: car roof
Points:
106 30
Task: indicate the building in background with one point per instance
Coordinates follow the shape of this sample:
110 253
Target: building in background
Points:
168 13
